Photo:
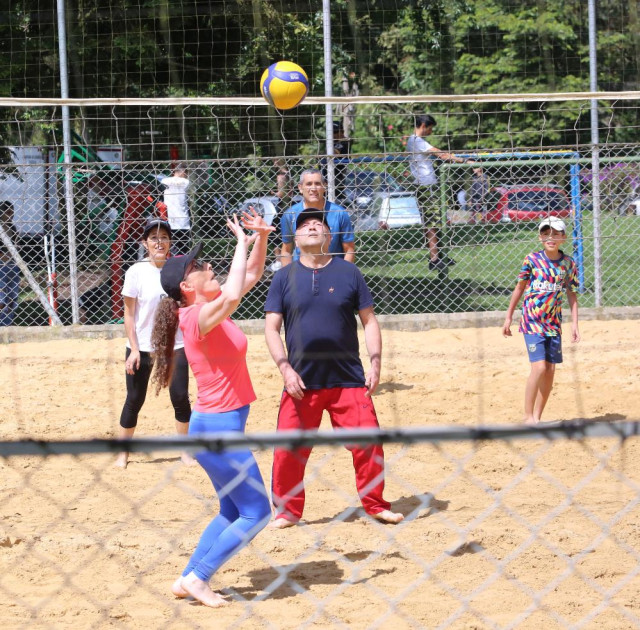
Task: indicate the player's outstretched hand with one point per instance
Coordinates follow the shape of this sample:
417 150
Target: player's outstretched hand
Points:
240 234
253 221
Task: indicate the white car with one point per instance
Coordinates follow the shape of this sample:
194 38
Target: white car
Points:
267 207
389 211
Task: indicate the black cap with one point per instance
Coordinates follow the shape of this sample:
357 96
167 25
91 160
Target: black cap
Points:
337 127
311 213
172 273
153 223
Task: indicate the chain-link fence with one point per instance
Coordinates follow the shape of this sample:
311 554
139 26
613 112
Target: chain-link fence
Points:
504 534
488 210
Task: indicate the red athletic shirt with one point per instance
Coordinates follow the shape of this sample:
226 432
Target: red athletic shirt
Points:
218 362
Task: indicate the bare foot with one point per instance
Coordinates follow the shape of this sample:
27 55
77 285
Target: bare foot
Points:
188 459
531 421
281 523
201 591
387 516
122 460
178 590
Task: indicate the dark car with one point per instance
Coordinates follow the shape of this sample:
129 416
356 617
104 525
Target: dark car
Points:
361 186
507 204
209 214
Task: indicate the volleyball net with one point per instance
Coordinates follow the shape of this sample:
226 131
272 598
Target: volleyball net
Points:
505 527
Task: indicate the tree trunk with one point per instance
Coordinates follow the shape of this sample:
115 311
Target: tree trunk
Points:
362 65
635 42
546 49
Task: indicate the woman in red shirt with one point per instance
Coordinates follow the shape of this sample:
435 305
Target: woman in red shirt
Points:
216 351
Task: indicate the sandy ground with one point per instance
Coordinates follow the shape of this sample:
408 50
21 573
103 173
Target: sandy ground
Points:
527 534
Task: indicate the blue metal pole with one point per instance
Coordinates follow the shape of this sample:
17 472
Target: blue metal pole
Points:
576 202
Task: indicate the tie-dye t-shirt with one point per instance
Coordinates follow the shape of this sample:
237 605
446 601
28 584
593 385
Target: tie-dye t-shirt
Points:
546 280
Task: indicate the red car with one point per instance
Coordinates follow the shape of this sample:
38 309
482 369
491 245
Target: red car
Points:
507 204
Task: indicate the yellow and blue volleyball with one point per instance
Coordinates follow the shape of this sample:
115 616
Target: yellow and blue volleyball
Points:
284 84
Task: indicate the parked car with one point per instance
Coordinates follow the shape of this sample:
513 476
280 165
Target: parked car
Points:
506 204
633 207
361 186
269 207
209 214
265 206
389 210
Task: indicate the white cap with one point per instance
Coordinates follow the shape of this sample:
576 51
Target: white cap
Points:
554 223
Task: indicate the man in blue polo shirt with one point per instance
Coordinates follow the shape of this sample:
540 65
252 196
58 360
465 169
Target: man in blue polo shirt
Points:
313 189
317 297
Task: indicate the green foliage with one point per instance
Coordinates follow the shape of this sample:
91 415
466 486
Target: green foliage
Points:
142 48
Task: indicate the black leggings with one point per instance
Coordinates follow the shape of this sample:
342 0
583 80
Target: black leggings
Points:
138 382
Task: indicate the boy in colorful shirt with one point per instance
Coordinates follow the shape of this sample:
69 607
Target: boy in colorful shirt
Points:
544 276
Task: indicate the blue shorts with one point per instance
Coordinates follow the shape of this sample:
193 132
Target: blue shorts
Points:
542 348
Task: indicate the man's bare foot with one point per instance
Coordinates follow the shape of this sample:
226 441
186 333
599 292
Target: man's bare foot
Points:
531 421
201 591
387 516
281 523
188 459
178 590
122 460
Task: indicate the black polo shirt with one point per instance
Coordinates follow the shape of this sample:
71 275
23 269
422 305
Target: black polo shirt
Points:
319 309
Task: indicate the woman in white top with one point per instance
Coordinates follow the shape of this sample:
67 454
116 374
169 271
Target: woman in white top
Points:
142 293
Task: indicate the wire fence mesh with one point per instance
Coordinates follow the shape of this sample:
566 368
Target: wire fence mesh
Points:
545 538
486 219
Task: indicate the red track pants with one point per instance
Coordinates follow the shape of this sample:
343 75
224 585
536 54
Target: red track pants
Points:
348 408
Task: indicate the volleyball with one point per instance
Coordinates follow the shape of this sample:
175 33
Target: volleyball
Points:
284 84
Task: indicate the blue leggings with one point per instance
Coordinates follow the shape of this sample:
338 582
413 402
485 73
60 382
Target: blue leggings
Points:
245 508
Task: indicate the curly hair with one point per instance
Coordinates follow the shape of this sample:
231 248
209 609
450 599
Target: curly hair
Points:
163 337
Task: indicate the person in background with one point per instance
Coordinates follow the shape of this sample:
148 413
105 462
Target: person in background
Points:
312 186
9 271
545 275
284 192
421 156
461 198
341 150
142 293
478 194
176 201
216 349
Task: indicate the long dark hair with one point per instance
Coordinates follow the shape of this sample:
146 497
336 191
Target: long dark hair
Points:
163 337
